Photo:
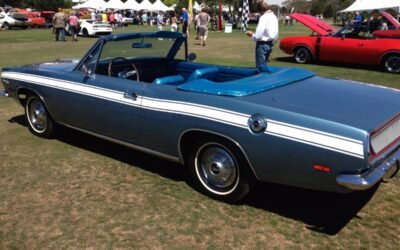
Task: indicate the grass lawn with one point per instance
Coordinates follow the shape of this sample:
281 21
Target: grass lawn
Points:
77 191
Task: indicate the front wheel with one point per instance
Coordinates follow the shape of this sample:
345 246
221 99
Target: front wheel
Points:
302 55
6 26
392 63
219 170
40 122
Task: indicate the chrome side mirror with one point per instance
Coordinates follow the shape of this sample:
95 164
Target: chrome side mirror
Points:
86 71
191 57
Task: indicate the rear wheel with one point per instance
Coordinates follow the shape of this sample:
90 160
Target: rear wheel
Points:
302 55
85 33
40 122
219 170
391 63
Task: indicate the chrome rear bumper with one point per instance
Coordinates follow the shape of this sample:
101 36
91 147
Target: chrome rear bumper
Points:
385 170
4 93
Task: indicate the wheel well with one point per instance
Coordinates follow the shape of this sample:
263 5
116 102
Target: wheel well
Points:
22 95
186 141
305 46
385 56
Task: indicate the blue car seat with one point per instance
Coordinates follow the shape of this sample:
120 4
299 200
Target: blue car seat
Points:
169 80
209 73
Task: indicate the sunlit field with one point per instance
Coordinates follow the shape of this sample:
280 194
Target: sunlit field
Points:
76 191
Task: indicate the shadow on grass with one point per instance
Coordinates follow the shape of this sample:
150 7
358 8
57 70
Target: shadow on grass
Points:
323 212
332 64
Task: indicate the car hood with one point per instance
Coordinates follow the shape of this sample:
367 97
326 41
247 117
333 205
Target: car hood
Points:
313 23
354 104
391 19
57 65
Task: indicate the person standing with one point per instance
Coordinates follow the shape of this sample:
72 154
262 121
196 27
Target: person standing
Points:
145 19
185 21
73 23
265 35
104 18
112 20
93 16
174 22
202 20
118 17
59 21
160 21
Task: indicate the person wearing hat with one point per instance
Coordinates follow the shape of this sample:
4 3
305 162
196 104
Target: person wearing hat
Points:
59 21
265 35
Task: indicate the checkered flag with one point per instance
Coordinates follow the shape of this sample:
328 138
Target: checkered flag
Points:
245 15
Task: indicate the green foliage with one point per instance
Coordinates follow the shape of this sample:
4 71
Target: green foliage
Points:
329 11
317 7
301 6
38 4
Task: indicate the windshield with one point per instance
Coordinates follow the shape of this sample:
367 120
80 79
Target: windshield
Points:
137 48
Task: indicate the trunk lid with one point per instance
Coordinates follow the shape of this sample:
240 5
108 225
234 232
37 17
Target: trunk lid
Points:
359 105
391 19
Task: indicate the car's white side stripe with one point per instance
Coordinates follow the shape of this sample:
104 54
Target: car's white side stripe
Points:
304 135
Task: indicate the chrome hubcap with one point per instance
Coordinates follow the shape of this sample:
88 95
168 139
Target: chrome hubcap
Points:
218 167
393 64
301 55
37 115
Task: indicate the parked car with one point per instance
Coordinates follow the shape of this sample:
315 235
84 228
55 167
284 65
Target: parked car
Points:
393 30
127 20
230 126
92 28
18 20
34 17
48 18
348 45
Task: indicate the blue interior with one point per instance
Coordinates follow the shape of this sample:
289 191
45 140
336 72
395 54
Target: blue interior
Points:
229 81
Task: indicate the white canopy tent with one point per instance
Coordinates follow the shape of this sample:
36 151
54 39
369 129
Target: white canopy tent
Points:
114 4
146 5
91 4
365 5
160 6
196 6
131 5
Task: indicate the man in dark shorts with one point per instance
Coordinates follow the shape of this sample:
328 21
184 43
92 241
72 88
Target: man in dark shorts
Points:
203 19
185 21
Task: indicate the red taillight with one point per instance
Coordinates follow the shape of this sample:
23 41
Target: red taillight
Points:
321 168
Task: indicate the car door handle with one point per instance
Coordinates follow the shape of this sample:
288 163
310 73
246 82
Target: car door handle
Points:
131 95
360 45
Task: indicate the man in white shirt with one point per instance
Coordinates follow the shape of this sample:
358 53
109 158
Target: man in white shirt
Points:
265 35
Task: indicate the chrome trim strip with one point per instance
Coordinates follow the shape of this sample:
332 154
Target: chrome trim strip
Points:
299 134
385 170
182 160
127 144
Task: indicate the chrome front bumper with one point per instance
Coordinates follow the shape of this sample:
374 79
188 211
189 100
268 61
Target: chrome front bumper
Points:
385 170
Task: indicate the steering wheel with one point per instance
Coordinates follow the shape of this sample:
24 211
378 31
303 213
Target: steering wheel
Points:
126 73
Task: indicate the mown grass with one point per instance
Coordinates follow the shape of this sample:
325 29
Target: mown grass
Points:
76 191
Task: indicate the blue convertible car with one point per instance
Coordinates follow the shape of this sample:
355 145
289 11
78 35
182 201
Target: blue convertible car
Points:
230 126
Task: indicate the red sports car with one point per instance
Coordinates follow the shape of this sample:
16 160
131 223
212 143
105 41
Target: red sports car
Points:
351 44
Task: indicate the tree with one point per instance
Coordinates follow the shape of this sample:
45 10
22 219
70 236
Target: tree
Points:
329 11
300 6
317 7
